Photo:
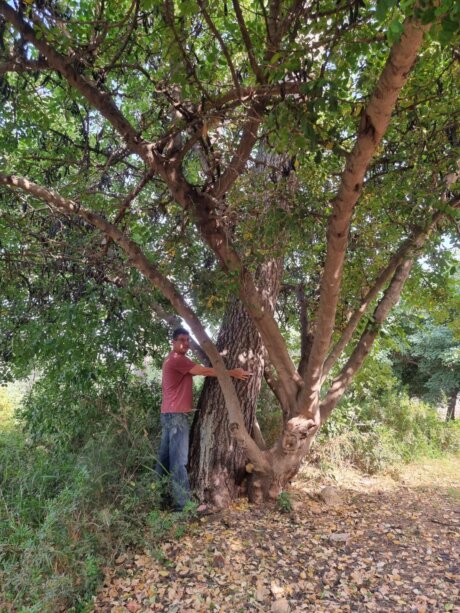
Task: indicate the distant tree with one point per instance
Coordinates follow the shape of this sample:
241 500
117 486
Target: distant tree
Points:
429 363
424 336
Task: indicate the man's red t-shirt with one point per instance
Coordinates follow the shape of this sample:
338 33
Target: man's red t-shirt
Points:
176 384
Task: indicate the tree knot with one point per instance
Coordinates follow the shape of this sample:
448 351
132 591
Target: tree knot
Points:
234 427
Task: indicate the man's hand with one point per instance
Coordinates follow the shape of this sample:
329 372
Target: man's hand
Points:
239 373
204 371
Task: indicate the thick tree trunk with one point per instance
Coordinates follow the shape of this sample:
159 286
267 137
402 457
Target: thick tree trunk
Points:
217 463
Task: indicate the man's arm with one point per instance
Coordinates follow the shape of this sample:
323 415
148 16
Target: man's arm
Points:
236 373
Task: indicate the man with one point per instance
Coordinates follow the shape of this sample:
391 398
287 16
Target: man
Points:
177 402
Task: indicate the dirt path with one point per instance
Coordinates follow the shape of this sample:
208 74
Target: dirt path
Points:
390 545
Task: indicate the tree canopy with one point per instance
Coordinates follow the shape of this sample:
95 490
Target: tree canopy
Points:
154 155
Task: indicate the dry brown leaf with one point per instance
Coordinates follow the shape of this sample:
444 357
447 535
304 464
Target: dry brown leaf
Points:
280 606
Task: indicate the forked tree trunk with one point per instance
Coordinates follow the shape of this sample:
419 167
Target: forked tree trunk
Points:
217 464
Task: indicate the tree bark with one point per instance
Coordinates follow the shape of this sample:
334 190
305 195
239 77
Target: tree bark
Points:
217 463
451 404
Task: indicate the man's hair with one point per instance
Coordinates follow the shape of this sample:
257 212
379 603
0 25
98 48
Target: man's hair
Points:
178 331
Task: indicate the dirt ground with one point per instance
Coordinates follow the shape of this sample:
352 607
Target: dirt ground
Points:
388 543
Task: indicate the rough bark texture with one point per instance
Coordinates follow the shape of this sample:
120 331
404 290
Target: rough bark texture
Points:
217 463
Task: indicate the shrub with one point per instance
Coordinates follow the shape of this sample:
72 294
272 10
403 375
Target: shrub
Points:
284 503
382 432
66 510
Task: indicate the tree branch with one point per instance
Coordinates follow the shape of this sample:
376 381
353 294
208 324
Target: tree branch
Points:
222 44
168 12
100 100
374 123
414 242
16 63
134 6
362 349
236 166
127 201
218 240
254 93
257 435
183 193
247 42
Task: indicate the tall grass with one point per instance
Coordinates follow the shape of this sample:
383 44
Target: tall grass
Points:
67 511
63 515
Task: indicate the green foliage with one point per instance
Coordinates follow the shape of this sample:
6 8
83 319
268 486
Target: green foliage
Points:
66 510
52 135
430 363
284 503
390 413
59 413
170 525
73 311
380 432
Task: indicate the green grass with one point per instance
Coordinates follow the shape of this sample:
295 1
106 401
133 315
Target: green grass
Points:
64 516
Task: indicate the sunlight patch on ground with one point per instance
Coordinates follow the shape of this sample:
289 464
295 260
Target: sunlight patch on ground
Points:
445 472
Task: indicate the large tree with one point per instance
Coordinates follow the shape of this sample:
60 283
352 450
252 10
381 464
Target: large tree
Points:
142 120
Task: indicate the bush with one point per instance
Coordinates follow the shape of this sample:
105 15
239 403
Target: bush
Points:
61 414
66 511
382 432
371 430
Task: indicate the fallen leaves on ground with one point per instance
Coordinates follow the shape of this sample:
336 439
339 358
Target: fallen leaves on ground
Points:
384 548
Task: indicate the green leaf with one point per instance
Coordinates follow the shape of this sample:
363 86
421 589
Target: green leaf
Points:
394 31
383 7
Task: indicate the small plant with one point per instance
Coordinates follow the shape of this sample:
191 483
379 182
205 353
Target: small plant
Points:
161 523
284 503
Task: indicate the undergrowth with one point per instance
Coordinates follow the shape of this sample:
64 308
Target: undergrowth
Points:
372 434
381 433
66 512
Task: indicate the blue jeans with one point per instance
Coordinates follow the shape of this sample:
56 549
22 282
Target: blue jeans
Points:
173 455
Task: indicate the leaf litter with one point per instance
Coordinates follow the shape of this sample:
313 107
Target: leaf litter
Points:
388 546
